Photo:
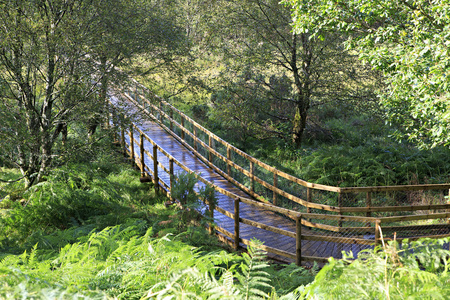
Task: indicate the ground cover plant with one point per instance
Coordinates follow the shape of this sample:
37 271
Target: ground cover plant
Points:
412 270
91 230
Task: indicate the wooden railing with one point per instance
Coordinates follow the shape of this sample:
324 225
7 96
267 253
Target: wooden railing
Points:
330 223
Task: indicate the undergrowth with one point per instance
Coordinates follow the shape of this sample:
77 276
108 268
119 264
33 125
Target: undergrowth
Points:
412 270
91 230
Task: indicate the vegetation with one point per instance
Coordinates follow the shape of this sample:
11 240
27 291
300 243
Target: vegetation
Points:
408 42
56 59
92 230
415 270
75 221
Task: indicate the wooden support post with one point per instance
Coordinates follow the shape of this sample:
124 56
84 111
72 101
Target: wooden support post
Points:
252 176
236 223
142 153
161 112
340 205
155 168
172 178
211 215
132 156
377 232
171 118
182 127
228 160
448 211
308 198
114 124
122 141
368 205
275 184
136 93
195 138
210 144
298 241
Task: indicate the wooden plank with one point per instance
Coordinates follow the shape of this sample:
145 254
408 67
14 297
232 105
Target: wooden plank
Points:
337 239
415 217
269 249
267 227
417 187
395 208
339 217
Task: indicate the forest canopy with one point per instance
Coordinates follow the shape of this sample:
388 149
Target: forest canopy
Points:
408 40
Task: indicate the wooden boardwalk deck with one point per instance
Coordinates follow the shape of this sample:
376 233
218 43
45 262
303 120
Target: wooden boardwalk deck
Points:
271 239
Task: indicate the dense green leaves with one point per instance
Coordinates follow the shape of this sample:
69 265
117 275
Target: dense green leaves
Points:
56 59
408 41
415 270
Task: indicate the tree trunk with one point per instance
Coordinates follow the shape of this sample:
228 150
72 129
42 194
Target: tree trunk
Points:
302 83
299 125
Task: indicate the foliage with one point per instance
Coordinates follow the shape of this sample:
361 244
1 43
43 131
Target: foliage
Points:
408 41
93 231
56 59
356 149
281 73
125 262
95 192
250 275
192 197
414 270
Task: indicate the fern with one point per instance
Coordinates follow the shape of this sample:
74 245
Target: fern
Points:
254 279
418 270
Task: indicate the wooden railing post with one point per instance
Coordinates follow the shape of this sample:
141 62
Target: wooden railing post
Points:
122 141
211 215
152 109
171 174
142 153
171 118
228 160
195 138
368 205
308 198
377 232
252 176
160 111
298 240
236 223
275 184
210 144
448 210
340 205
136 98
132 156
182 127
155 168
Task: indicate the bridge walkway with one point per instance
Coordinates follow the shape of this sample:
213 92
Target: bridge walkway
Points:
271 239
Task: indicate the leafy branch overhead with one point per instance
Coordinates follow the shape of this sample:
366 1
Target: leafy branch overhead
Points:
56 60
408 40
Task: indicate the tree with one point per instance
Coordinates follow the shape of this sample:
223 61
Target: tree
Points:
51 67
408 40
281 73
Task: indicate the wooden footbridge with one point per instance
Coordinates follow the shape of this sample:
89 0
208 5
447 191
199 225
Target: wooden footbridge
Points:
297 221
